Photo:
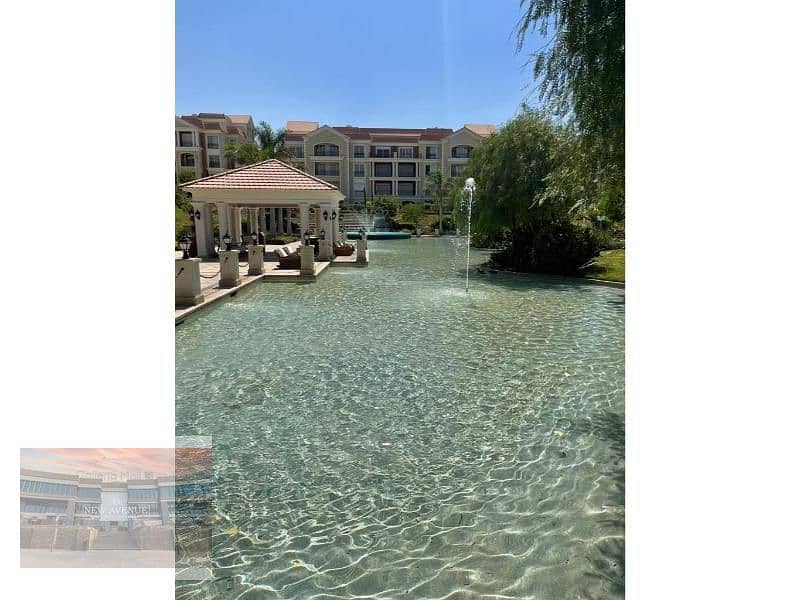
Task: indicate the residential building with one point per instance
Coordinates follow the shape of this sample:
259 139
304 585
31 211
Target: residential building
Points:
200 141
373 161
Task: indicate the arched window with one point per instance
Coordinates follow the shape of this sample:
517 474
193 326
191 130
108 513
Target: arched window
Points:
461 151
326 150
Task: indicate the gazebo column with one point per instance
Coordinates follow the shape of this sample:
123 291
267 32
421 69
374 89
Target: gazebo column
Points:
254 222
335 223
318 217
203 231
224 223
326 245
303 220
263 221
236 224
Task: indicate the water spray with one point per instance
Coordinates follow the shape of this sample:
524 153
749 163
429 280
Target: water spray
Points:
469 188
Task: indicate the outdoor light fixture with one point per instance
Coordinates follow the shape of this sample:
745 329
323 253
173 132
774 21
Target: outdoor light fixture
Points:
469 184
254 237
306 235
325 214
226 239
184 243
333 216
322 234
194 214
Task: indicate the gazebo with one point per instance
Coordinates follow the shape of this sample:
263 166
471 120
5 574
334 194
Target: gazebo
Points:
266 192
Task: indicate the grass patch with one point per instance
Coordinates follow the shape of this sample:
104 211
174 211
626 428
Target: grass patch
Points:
608 266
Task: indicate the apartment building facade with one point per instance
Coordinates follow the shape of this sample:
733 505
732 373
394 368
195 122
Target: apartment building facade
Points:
368 161
200 141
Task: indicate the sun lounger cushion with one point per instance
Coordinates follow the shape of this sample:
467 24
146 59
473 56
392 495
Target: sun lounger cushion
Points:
280 253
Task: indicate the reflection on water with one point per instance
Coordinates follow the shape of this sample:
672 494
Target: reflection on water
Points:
381 433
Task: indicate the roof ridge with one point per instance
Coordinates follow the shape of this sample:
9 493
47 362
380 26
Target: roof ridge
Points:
256 164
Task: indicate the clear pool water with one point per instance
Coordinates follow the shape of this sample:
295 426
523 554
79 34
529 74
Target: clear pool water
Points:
379 433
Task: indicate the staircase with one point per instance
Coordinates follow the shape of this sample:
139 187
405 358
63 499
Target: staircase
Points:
114 540
353 220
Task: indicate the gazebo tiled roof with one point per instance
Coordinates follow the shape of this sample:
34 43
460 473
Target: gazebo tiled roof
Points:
270 174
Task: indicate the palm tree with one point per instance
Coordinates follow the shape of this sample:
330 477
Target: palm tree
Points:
439 187
271 142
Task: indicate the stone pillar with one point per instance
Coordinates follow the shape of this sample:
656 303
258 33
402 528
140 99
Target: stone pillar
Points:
306 260
325 249
237 225
361 248
318 217
327 225
203 231
335 225
255 259
253 220
229 269
303 220
264 221
224 223
187 282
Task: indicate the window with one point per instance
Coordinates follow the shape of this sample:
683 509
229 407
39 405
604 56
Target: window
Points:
43 506
47 489
406 170
461 151
406 188
358 188
212 141
383 151
431 169
167 491
93 493
213 161
431 152
382 169
456 170
296 151
186 139
326 169
187 160
326 150
358 151
138 495
383 188
405 152
358 170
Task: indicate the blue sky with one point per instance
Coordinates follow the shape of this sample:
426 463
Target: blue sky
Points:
375 63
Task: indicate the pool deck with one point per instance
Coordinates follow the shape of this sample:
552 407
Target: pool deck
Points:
209 280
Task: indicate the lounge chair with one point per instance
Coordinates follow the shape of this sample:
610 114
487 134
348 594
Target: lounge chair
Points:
342 249
287 259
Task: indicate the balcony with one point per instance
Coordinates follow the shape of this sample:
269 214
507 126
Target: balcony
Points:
393 152
406 170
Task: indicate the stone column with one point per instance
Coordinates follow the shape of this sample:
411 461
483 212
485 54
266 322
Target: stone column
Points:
203 230
303 220
187 282
237 225
229 269
253 219
263 221
335 224
318 218
255 259
328 225
224 223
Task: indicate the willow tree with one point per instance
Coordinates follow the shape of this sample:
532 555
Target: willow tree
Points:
581 77
516 201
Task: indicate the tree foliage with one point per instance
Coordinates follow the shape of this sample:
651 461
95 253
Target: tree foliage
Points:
439 187
519 201
269 143
581 74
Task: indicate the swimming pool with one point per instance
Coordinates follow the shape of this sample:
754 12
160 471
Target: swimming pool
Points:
380 433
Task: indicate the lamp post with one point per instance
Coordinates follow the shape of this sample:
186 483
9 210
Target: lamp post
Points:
469 187
254 237
184 244
226 239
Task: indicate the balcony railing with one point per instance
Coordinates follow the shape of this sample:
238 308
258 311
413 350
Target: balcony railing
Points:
326 153
392 153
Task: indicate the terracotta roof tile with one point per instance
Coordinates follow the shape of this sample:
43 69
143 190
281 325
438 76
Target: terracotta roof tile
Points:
240 119
301 126
270 174
481 128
